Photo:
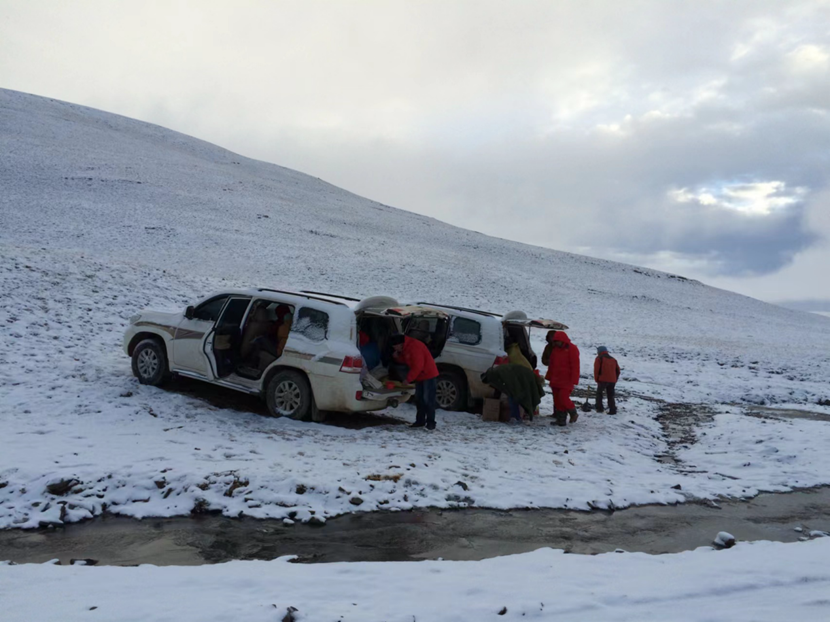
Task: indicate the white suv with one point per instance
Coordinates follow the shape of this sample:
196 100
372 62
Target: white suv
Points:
476 342
299 351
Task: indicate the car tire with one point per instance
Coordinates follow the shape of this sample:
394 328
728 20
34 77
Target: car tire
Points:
288 395
150 362
451 391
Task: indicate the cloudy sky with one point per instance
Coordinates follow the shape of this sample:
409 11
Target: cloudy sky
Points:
686 135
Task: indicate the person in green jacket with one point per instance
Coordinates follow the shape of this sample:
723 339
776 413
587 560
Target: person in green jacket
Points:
515 355
519 384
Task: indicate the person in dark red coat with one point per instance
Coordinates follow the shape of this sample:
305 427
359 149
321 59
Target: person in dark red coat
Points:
422 372
563 375
606 375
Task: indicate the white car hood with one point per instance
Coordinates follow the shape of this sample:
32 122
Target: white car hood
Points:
160 317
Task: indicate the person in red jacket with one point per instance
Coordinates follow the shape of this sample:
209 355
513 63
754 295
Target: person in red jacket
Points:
606 374
422 372
563 375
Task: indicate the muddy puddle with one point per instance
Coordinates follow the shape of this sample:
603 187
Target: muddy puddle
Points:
425 534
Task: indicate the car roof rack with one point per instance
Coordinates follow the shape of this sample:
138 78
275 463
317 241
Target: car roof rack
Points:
306 291
301 295
477 311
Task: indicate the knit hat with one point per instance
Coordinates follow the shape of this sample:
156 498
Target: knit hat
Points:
601 349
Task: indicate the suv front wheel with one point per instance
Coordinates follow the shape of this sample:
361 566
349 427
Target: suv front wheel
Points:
150 362
451 391
288 395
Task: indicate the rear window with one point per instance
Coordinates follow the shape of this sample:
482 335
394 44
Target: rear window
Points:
422 325
466 331
312 324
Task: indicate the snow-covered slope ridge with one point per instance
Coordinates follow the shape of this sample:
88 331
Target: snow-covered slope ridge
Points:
123 191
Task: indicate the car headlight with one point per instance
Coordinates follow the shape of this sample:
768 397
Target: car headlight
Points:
135 318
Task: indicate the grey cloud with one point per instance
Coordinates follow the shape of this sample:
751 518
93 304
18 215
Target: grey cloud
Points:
737 245
608 194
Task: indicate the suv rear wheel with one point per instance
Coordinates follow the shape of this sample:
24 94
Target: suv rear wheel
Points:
150 362
288 395
451 391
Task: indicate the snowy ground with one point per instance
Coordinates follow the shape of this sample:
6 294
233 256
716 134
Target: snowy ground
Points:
756 582
72 412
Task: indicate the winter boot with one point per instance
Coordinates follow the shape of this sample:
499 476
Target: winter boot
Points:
561 418
612 411
574 415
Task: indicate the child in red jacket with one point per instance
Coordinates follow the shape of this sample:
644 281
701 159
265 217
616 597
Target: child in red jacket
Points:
606 374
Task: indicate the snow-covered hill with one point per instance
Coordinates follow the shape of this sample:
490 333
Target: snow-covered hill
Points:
102 216
129 192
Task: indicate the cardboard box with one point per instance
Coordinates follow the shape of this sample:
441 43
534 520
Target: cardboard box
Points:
490 410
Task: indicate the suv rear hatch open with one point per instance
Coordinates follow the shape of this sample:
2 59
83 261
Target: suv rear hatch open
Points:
517 327
379 317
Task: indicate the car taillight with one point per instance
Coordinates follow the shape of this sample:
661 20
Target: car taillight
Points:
352 365
358 395
501 360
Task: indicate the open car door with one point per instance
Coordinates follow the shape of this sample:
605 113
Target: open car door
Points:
519 318
431 326
547 324
426 324
517 326
380 317
221 344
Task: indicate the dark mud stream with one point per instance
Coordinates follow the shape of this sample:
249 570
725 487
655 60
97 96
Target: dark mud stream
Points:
425 534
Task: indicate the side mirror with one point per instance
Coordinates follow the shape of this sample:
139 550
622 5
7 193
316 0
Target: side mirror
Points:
188 313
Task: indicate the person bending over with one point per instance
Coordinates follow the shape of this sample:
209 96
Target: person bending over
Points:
423 372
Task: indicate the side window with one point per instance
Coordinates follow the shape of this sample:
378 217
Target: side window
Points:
209 311
421 327
466 331
234 312
312 324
